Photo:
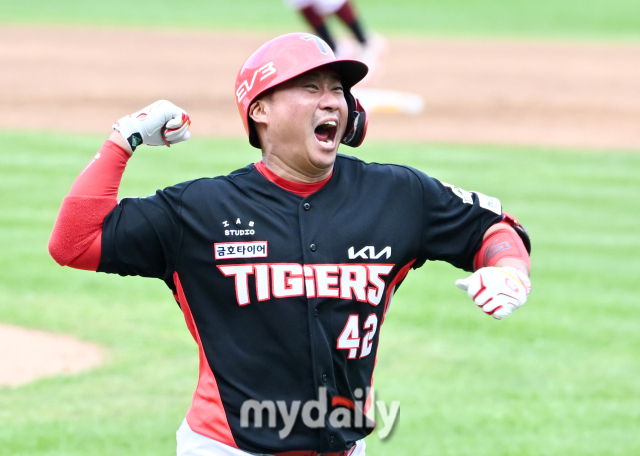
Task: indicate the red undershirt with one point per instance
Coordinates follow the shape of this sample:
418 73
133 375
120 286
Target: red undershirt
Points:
299 188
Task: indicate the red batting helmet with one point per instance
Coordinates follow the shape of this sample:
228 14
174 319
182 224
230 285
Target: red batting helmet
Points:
288 56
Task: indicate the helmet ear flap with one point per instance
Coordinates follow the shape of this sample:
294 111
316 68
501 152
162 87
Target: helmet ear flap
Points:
254 140
358 122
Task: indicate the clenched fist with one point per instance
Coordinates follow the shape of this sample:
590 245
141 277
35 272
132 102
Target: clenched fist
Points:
159 124
497 291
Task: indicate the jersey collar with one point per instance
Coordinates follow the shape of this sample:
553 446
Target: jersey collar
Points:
299 188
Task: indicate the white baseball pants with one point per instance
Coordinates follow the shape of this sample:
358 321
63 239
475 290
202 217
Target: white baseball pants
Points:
193 444
323 7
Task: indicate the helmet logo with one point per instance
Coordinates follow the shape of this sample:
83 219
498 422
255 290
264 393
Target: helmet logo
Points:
265 70
321 44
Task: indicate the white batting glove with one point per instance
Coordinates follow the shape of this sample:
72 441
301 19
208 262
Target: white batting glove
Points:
497 291
159 124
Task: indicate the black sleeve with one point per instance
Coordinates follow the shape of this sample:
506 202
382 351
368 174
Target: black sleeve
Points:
141 236
454 222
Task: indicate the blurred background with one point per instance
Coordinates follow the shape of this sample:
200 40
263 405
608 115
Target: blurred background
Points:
536 103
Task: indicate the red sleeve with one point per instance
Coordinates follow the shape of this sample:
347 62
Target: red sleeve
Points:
76 237
503 243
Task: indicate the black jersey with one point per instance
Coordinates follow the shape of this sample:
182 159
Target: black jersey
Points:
285 295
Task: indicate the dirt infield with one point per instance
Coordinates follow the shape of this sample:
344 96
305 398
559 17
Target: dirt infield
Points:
519 93
26 355
556 94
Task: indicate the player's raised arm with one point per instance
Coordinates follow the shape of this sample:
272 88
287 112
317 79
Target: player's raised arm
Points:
500 283
159 124
76 237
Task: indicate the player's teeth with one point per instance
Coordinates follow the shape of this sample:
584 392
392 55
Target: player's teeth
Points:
330 123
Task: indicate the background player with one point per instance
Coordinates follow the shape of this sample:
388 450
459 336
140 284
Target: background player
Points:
284 270
369 46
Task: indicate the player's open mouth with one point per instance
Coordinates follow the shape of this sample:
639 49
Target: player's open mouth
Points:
326 132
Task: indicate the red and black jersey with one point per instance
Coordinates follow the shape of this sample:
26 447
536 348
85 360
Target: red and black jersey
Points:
284 294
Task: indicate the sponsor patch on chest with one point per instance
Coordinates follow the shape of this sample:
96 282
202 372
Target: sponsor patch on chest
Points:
231 250
239 232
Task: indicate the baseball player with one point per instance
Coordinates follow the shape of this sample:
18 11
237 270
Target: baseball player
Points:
284 269
315 11
369 47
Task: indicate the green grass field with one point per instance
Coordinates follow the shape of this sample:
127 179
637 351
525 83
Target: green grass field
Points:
569 19
558 377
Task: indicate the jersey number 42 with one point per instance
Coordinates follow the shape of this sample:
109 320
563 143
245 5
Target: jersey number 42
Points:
350 338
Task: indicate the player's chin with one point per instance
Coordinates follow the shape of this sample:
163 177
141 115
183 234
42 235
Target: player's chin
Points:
323 157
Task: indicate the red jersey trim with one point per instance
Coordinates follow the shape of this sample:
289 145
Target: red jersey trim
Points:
402 273
370 398
299 188
206 416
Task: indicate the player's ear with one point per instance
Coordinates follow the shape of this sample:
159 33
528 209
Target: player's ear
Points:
259 111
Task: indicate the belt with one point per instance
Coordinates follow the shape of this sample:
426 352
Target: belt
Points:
315 453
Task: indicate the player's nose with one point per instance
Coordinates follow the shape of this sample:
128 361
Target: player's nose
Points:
329 100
